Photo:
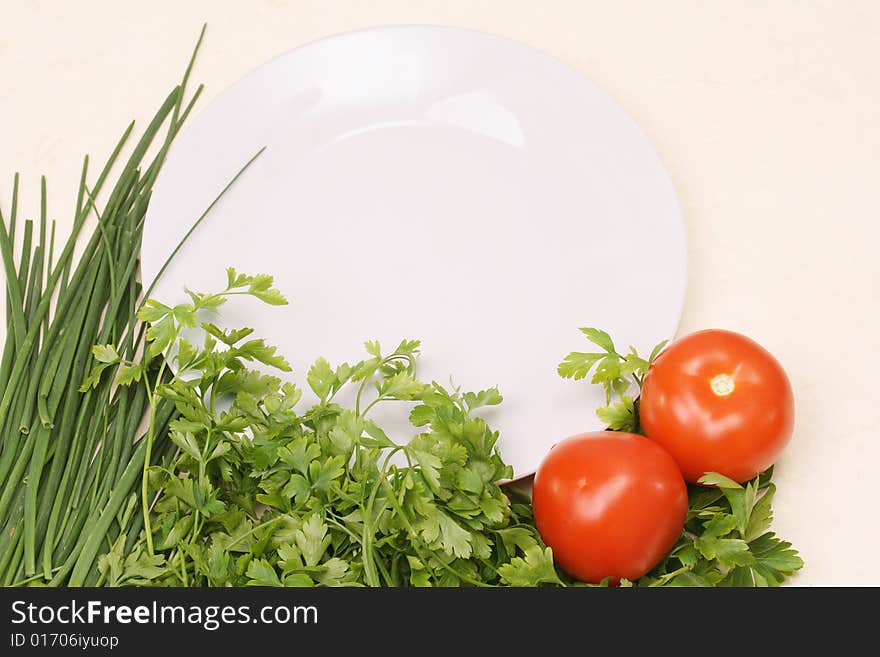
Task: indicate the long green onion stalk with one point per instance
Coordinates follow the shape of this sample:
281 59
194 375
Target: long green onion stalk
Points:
70 455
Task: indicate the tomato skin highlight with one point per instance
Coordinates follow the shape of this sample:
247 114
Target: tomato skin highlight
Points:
718 402
609 504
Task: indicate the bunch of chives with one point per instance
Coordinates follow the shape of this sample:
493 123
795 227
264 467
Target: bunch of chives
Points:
70 460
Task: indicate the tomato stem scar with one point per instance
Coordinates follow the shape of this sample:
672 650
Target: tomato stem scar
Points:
722 384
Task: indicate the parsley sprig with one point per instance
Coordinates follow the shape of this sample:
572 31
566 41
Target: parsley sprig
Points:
616 373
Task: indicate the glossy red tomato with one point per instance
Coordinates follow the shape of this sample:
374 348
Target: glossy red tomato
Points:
609 504
718 402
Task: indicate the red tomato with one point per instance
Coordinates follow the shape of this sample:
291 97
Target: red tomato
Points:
609 504
718 402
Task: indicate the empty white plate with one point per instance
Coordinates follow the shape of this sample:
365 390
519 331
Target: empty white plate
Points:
437 184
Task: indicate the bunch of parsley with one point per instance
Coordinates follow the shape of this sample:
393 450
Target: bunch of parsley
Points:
254 491
251 490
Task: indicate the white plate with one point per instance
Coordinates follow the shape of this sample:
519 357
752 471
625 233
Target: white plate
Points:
438 184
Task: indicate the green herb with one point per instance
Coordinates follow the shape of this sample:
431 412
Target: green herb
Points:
725 541
260 492
616 373
70 454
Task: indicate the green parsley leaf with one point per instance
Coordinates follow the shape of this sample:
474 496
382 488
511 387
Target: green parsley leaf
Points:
160 335
599 338
761 516
578 364
105 353
475 400
152 311
129 373
321 378
656 350
312 540
187 442
534 569
261 573
633 364
185 314
775 560
258 350
620 416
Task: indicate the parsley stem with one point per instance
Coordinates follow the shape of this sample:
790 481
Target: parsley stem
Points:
252 531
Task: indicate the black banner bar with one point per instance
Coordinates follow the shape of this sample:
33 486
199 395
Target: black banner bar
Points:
128 621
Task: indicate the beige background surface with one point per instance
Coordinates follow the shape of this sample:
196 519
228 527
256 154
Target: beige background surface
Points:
766 113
